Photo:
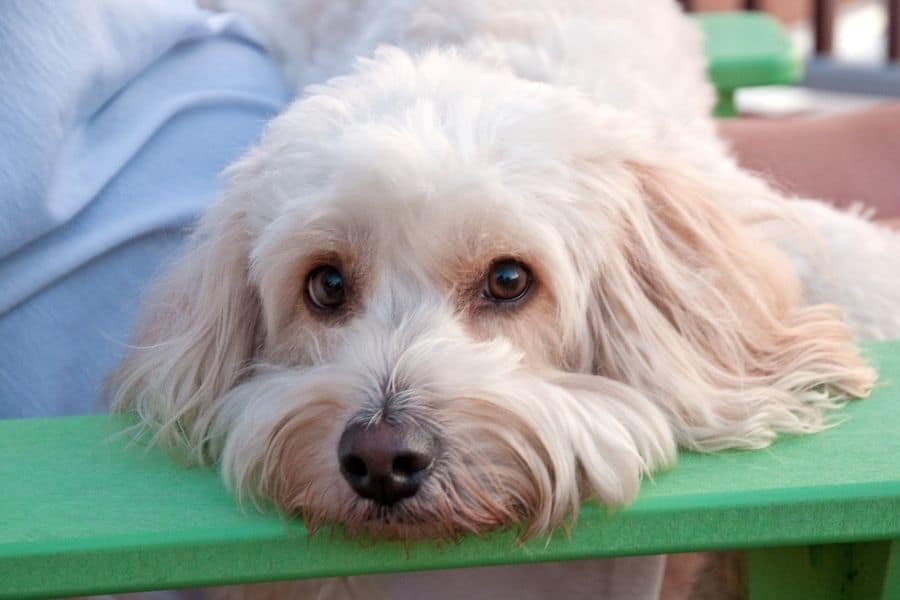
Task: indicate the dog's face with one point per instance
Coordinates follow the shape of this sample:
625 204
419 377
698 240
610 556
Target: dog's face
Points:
438 299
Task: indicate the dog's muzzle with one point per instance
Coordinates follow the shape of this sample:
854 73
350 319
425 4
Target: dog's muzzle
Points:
384 462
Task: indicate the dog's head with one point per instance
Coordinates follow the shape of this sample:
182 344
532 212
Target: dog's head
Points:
438 299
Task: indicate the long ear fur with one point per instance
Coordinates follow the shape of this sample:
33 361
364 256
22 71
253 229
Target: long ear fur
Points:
195 336
710 322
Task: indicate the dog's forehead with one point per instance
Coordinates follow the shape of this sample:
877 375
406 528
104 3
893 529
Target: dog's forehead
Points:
437 225
385 181
431 131
433 165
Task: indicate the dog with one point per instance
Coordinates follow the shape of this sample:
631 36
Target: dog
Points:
492 262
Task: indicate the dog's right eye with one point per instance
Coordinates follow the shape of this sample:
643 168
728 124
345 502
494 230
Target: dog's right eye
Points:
325 287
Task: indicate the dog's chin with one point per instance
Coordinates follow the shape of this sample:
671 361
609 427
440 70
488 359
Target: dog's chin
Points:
403 521
443 510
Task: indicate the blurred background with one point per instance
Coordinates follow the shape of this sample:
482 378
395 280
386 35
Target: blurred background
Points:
851 49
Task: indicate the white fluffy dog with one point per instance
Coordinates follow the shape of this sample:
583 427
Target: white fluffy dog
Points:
501 265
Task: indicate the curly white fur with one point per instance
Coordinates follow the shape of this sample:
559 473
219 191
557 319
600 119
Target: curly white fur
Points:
676 298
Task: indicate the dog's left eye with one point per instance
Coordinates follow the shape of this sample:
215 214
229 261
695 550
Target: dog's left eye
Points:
325 286
507 280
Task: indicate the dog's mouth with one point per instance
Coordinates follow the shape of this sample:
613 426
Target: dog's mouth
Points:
414 517
436 515
397 513
391 523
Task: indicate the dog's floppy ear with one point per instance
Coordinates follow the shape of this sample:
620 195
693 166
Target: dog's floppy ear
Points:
709 320
196 334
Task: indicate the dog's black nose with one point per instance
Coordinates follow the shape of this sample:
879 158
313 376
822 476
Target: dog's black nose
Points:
385 463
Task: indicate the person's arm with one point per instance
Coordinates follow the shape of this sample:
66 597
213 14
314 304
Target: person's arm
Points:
106 159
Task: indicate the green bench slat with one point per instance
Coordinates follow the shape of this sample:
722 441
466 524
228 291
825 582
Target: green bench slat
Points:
82 512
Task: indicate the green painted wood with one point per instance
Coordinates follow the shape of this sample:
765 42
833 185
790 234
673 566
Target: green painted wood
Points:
725 104
891 585
81 512
746 49
859 571
797 573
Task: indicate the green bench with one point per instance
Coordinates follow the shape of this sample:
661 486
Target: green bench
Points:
83 512
746 49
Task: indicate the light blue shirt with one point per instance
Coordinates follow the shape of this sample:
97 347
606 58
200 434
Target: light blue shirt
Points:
116 117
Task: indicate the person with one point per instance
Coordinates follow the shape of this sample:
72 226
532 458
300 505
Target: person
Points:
115 121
